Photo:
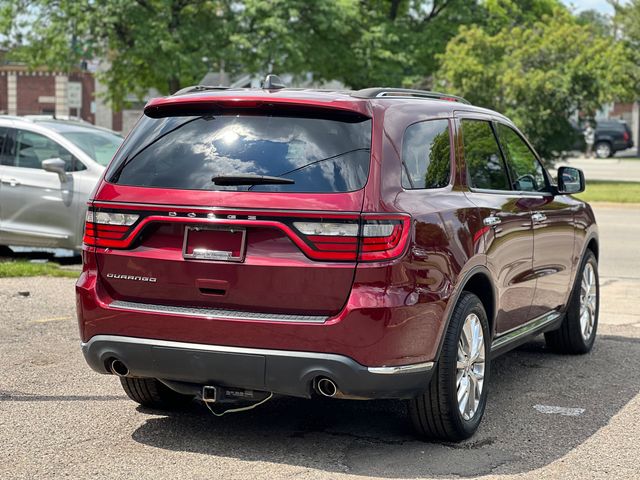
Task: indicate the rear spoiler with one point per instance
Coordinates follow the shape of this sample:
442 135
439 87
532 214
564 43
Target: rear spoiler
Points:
208 101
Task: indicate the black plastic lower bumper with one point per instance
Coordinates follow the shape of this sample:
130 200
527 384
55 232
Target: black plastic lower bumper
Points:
278 371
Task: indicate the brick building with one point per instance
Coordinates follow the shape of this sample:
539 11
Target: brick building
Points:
40 91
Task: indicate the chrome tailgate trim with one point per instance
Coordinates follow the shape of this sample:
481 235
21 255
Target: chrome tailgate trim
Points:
217 313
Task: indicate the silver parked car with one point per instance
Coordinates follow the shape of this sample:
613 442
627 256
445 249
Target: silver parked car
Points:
48 169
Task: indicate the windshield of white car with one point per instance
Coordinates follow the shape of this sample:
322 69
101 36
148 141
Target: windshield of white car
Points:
100 146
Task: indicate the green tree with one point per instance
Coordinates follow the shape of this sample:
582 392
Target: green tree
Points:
147 43
539 74
627 18
163 43
359 42
437 174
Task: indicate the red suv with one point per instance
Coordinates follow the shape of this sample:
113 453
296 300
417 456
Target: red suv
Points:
380 243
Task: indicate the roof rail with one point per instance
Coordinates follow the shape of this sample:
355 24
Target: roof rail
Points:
198 88
406 92
13 117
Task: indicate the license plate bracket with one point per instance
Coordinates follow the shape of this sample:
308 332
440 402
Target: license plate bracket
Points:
226 244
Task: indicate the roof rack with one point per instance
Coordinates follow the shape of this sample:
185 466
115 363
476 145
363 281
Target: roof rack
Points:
406 92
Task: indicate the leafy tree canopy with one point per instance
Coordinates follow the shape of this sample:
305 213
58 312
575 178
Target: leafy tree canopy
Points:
530 59
539 74
148 43
627 16
168 44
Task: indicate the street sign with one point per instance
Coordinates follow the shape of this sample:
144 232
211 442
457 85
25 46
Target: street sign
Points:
74 95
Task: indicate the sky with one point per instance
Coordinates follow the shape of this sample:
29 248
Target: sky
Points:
601 6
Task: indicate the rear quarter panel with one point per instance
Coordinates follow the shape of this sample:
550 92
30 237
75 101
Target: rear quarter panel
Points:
447 236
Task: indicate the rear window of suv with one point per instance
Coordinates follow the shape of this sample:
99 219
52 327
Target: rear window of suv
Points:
320 154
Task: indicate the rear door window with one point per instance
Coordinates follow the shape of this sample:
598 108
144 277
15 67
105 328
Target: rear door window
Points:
319 153
426 155
482 156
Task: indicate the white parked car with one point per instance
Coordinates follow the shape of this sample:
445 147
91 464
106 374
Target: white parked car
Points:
48 169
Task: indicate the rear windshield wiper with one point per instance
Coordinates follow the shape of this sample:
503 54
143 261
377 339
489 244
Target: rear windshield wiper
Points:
248 179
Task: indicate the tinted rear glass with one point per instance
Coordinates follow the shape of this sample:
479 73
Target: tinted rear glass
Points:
426 155
326 154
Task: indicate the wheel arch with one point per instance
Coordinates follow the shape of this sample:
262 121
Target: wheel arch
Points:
476 280
593 245
481 286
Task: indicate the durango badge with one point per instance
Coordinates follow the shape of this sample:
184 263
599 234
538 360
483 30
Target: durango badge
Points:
136 278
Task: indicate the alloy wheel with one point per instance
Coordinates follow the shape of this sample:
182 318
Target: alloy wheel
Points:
470 366
603 150
588 301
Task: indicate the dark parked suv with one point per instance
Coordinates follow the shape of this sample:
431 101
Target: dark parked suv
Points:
381 243
611 136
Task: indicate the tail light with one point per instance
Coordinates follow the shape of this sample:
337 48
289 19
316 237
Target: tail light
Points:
108 229
373 237
376 238
625 136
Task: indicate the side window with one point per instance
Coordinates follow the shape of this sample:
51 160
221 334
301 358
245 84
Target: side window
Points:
482 156
5 147
30 149
525 169
426 155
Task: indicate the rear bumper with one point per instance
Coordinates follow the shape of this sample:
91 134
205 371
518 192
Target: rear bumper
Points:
278 371
377 327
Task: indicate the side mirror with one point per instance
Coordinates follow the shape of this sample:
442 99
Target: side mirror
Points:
56 165
570 180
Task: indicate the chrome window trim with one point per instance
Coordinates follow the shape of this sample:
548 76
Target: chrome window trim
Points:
518 193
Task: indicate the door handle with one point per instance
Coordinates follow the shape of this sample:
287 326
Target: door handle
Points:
12 182
491 221
538 217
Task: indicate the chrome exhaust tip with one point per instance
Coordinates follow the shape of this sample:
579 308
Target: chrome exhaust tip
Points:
118 368
326 387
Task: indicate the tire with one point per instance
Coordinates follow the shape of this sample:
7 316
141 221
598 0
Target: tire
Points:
576 335
436 414
603 150
152 393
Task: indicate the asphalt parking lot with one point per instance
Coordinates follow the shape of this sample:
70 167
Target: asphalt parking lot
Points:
58 419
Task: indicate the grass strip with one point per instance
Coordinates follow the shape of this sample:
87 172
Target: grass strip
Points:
614 192
21 268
